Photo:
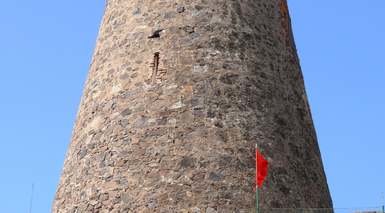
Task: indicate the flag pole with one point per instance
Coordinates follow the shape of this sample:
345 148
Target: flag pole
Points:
31 199
256 179
257 199
383 202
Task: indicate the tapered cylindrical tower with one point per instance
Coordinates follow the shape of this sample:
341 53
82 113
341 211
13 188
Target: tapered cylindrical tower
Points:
178 94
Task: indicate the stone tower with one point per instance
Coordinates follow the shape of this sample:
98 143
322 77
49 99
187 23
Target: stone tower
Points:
178 93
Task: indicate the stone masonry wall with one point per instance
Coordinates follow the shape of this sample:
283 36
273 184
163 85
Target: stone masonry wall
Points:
178 93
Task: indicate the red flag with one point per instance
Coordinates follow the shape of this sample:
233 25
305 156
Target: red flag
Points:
261 165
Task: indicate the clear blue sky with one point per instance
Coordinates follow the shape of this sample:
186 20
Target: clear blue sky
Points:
45 52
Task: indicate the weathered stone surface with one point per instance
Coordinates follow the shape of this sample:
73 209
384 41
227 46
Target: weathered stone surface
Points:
178 93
